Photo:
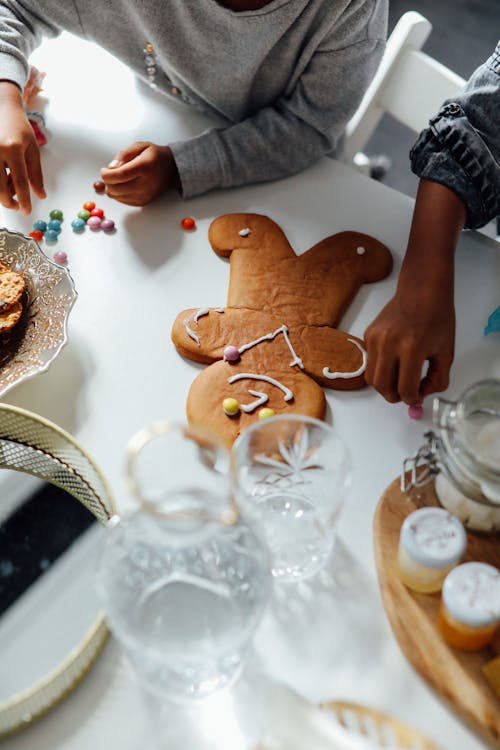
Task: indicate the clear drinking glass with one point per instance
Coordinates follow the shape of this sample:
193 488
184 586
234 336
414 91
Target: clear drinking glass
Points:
184 578
292 474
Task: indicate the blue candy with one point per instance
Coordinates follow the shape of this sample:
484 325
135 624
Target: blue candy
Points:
78 225
51 235
55 224
40 224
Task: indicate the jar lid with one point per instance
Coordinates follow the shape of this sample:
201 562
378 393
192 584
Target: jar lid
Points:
471 593
433 537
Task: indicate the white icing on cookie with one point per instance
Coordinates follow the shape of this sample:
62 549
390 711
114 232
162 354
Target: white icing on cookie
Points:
268 337
262 398
245 232
359 371
254 376
361 250
199 313
194 317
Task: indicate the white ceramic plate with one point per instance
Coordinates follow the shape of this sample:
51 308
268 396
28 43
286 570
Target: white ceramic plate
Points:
39 336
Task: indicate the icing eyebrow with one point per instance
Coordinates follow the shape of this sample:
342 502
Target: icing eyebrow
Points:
245 232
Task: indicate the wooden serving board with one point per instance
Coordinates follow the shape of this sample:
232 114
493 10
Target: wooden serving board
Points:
455 675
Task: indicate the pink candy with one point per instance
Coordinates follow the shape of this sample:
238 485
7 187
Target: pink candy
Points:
231 354
94 222
415 412
107 225
60 256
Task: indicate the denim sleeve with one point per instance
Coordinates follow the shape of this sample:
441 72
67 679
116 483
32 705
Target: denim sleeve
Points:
461 147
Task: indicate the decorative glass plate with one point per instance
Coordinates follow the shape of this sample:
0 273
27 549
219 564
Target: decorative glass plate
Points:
33 344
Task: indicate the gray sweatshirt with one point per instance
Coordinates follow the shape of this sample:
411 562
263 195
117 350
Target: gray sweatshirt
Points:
282 81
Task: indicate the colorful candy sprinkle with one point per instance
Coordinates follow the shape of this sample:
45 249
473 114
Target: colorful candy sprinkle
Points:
266 412
78 225
231 407
415 412
94 222
188 223
40 224
89 205
83 214
37 234
107 225
231 353
99 186
56 213
97 212
54 224
60 256
51 235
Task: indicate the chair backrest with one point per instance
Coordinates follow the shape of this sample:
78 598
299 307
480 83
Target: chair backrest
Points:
409 84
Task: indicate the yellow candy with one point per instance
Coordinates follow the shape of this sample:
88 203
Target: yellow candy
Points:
266 412
230 406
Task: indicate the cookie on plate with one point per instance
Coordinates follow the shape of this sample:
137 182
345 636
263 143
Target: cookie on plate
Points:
9 318
12 288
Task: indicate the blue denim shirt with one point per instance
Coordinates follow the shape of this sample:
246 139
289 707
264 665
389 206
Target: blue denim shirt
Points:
461 147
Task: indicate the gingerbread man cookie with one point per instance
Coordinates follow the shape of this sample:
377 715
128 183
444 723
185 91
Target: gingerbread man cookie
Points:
275 343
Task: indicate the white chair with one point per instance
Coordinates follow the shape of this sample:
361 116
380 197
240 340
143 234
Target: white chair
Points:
409 85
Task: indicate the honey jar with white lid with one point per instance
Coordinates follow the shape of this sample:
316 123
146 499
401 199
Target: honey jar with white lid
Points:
431 543
469 614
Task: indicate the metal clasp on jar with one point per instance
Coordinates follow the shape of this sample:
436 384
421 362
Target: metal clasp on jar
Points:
422 467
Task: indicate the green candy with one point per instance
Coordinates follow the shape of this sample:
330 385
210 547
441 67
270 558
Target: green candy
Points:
56 213
83 214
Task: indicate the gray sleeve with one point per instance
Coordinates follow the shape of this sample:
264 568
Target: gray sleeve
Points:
22 27
461 147
288 136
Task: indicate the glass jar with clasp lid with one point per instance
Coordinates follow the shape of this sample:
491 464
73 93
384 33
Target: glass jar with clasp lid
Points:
463 456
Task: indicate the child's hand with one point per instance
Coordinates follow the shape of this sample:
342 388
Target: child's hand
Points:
19 155
408 332
140 173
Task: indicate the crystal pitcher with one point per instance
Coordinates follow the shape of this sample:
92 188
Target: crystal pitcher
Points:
184 578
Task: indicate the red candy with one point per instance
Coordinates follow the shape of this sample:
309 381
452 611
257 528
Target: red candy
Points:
188 222
37 234
99 186
89 205
97 212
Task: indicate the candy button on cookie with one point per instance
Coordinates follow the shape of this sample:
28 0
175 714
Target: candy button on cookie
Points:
266 412
231 407
231 353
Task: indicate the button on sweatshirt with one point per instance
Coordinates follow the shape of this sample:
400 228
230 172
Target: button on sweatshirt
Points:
281 82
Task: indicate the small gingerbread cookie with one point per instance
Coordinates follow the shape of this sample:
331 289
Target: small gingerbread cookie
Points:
9 318
277 339
12 287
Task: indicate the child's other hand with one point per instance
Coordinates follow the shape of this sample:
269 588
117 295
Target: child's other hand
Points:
140 173
20 165
409 331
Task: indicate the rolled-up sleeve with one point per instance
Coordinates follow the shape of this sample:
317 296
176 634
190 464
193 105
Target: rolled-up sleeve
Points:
461 147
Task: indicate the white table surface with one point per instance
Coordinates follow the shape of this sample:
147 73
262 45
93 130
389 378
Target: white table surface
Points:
120 371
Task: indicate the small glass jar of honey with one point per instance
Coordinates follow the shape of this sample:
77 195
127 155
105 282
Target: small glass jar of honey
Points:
469 614
431 543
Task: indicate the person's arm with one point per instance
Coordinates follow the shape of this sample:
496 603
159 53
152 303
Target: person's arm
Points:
19 154
417 326
275 142
21 29
458 161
